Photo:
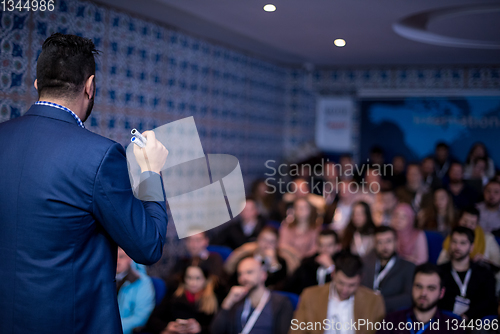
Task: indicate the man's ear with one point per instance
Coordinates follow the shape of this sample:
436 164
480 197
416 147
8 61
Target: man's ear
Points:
35 84
443 290
89 86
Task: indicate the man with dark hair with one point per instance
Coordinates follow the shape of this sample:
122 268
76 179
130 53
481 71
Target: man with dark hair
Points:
424 315
316 269
386 272
490 208
67 202
339 303
442 159
470 288
250 305
463 194
245 228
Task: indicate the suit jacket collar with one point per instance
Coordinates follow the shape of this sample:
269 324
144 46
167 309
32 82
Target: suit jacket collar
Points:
51 112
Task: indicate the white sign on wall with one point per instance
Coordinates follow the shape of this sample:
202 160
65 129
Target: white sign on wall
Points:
334 124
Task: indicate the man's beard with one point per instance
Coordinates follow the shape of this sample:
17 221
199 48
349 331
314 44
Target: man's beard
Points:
385 258
462 257
425 309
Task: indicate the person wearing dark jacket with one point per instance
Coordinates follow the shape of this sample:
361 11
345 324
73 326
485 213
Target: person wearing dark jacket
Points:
244 229
191 308
251 307
316 269
470 288
387 273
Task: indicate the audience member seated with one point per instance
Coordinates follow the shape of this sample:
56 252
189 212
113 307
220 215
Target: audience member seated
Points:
398 176
301 189
439 215
386 272
358 235
428 169
415 192
245 229
265 250
463 194
470 288
299 231
316 269
265 200
479 151
383 208
427 290
251 307
196 246
341 302
477 177
412 243
490 208
337 217
136 294
442 159
191 308
485 248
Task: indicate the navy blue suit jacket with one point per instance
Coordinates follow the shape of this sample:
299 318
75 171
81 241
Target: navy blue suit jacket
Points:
65 204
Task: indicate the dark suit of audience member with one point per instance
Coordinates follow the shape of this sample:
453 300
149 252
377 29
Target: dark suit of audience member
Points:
235 234
478 283
395 287
250 296
317 269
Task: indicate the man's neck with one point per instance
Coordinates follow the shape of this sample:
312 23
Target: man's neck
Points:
256 295
424 316
74 106
461 265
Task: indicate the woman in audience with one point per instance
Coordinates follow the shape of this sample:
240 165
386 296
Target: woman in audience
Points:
265 200
439 215
300 230
478 150
412 243
190 308
358 237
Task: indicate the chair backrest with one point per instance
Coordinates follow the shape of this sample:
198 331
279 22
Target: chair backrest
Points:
293 297
223 251
434 245
160 289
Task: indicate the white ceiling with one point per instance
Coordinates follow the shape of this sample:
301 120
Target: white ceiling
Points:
302 31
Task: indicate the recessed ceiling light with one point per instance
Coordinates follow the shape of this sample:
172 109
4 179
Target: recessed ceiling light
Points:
269 8
339 42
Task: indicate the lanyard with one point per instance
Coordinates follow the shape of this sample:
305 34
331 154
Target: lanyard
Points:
255 314
462 286
380 276
412 331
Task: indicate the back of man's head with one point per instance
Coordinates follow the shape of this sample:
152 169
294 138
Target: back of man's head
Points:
65 63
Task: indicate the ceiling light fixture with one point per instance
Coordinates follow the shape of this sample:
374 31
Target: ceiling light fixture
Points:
339 42
269 8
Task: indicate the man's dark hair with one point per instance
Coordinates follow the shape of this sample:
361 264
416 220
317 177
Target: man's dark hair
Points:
383 229
350 264
65 63
377 150
327 233
464 230
442 145
490 182
429 269
472 211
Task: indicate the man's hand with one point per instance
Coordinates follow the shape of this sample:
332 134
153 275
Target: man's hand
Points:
324 260
235 295
153 156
